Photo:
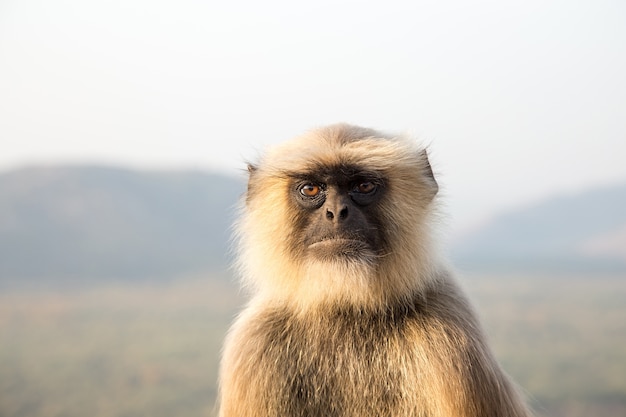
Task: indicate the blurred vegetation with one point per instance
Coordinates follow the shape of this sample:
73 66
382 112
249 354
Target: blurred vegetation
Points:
562 337
138 350
123 351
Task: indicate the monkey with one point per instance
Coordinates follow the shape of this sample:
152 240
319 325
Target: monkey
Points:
353 311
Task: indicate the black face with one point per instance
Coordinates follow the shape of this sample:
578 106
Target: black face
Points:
338 213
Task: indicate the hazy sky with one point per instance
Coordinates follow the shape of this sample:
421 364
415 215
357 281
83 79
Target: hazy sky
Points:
517 100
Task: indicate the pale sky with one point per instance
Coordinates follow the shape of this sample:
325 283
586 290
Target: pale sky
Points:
517 100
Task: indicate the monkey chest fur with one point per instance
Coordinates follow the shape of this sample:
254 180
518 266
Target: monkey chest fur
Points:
342 363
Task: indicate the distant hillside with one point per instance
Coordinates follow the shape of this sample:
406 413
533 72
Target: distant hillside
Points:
92 223
100 223
586 231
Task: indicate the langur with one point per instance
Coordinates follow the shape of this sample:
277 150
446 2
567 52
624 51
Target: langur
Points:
353 313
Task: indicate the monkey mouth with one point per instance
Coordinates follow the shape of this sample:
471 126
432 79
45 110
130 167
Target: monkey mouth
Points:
338 241
332 247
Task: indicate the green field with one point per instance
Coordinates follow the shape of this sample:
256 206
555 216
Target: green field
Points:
153 350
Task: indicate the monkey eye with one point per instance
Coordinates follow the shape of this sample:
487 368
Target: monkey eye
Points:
365 187
310 190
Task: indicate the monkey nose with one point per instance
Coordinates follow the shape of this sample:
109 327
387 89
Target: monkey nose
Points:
339 213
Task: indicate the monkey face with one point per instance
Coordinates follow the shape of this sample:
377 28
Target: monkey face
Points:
337 214
338 208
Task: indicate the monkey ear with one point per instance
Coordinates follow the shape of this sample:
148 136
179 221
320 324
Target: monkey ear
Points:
427 170
252 169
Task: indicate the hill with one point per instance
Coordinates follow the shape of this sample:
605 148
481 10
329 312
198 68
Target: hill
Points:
583 231
93 223
87 222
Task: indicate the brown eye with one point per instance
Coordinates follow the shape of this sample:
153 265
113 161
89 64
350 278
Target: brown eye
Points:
310 190
365 187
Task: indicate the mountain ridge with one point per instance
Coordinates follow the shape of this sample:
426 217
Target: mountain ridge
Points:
101 222
87 223
582 230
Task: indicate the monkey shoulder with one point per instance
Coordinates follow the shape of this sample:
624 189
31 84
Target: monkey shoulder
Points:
442 318
371 361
